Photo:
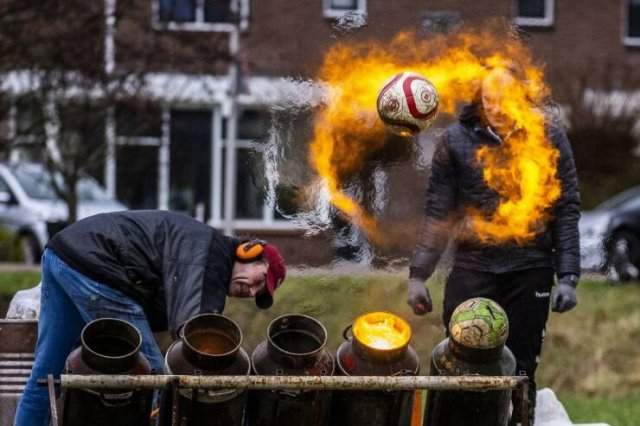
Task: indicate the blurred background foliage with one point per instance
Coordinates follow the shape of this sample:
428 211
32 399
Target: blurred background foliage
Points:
602 108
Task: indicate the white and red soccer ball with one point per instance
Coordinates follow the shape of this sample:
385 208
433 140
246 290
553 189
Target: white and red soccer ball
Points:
408 103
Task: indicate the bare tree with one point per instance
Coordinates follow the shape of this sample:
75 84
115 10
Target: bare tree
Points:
74 63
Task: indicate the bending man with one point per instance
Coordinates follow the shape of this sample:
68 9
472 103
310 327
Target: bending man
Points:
155 269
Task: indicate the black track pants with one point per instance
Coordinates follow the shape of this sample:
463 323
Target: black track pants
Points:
524 295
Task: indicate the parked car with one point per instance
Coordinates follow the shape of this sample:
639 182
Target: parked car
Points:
31 211
610 236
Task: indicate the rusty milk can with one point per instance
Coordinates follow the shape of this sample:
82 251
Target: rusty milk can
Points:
209 345
478 331
295 346
379 347
108 346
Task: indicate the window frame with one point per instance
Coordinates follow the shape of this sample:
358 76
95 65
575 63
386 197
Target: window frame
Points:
547 21
199 24
626 39
21 138
250 145
21 142
145 140
268 220
331 12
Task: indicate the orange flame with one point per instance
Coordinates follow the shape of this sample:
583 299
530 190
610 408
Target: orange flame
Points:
381 330
523 172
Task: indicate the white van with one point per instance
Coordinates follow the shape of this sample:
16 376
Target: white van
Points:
30 209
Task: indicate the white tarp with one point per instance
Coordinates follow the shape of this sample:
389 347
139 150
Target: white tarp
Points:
25 304
551 412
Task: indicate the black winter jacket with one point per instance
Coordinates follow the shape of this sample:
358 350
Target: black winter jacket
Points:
173 265
456 183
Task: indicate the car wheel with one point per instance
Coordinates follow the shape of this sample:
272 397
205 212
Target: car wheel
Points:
624 256
29 249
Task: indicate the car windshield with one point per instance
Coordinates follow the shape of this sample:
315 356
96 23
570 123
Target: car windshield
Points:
36 182
621 199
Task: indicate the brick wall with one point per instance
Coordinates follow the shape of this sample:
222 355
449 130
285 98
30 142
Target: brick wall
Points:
289 38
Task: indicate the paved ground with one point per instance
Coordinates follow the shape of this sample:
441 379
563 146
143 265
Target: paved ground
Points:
18 267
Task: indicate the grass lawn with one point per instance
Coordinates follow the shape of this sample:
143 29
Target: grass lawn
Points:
10 282
617 411
591 357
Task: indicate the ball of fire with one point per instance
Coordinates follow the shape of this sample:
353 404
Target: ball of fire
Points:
347 128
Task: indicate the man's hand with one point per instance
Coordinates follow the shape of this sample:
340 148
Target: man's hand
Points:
418 297
563 297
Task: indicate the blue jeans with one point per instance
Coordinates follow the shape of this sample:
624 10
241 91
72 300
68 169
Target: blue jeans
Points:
69 300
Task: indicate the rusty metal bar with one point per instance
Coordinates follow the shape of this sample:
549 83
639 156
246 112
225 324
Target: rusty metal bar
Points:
52 400
524 406
469 383
175 402
417 410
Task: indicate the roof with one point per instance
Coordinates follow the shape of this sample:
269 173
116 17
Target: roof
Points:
175 88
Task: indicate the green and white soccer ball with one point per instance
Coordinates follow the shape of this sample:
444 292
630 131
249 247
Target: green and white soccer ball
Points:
479 323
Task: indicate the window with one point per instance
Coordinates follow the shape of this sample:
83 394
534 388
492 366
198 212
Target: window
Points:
535 13
337 8
200 15
344 4
631 35
139 140
26 130
82 133
137 176
138 124
6 195
250 184
4 187
29 121
191 162
254 205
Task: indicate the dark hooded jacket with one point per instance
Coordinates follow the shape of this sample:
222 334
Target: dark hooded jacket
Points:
456 183
173 265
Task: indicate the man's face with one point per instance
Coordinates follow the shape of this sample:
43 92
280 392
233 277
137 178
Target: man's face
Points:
495 86
248 279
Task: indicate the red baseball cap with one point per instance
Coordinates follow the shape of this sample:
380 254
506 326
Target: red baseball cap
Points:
276 274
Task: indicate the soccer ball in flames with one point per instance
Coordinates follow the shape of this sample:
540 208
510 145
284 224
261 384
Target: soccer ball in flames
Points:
407 104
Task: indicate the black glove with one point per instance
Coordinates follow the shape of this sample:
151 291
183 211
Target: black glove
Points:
418 297
563 297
